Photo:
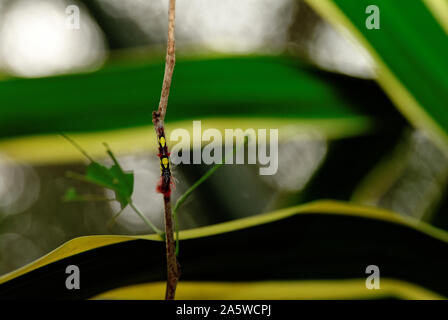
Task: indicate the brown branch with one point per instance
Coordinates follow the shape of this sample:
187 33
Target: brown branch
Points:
169 65
173 267
164 186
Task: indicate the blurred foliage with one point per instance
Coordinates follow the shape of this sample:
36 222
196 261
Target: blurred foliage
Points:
416 81
341 138
297 240
120 95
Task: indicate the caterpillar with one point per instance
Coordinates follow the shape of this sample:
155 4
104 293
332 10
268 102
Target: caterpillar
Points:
165 183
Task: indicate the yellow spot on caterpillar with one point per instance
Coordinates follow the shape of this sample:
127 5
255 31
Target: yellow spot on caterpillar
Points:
162 141
165 162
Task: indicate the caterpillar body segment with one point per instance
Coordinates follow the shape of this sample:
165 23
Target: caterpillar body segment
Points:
165 182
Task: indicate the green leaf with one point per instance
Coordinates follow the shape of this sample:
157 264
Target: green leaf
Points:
114 178
120 96
125 180
125 186
112 105
409 50
71 195
101 175
324 244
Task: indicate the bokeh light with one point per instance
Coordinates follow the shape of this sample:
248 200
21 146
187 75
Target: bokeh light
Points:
34 39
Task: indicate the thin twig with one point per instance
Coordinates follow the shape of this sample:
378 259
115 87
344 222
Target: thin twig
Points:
146 220
164 187
169 64
77 146
184 197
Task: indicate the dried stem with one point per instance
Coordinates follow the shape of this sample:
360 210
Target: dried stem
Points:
164 187
169 65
